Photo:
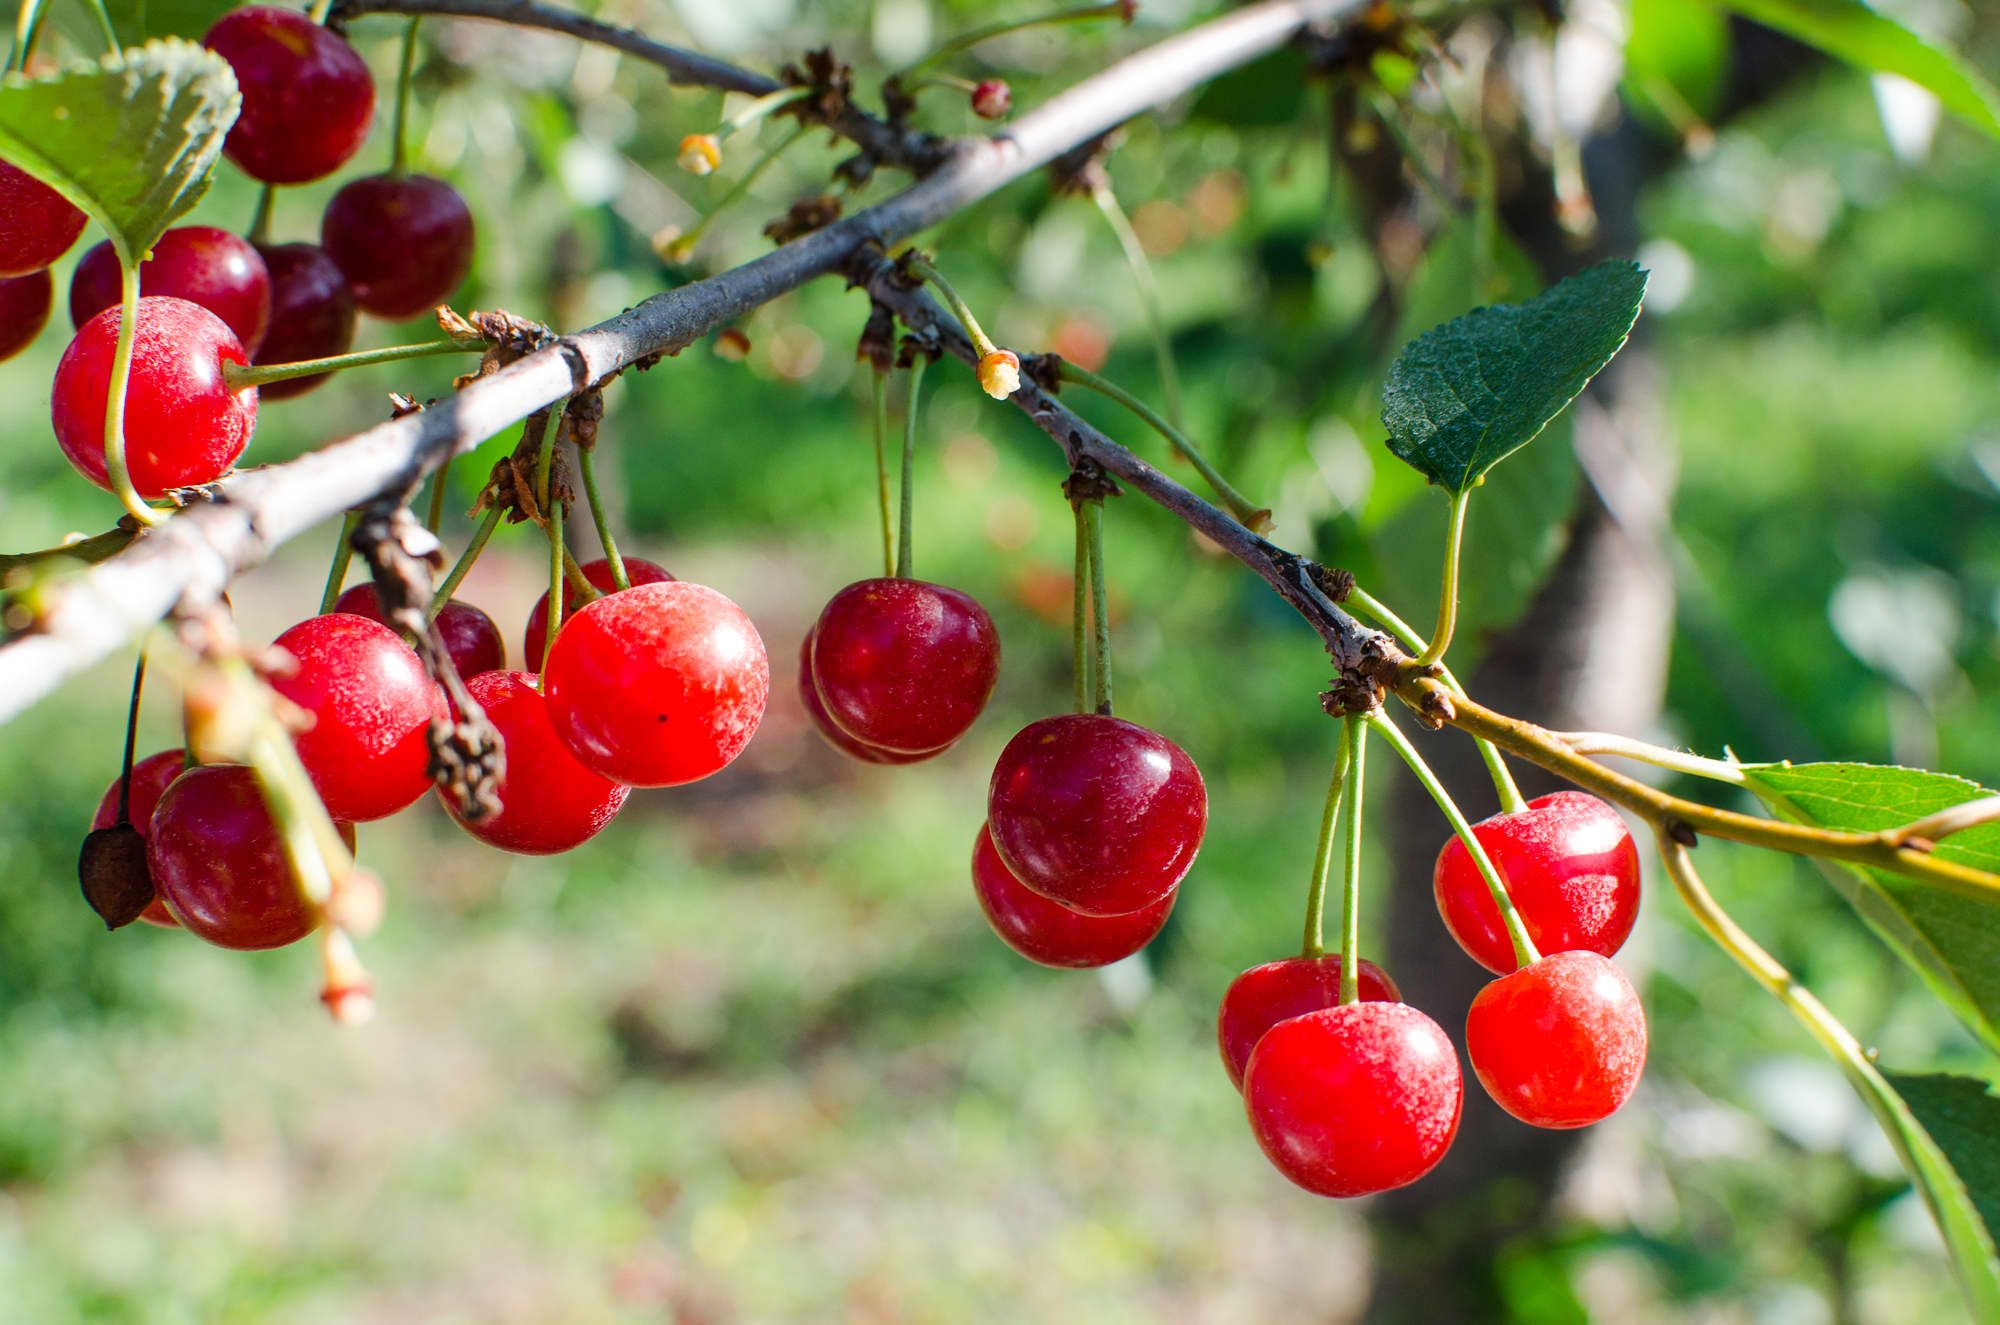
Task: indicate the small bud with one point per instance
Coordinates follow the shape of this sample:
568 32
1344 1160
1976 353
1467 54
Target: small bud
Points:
112 869
701 153
732 345
1000 373
357 903
992 99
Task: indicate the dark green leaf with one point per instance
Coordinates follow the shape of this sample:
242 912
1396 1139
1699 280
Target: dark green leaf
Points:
1942 1185
1962 1114
1464 396
1266 93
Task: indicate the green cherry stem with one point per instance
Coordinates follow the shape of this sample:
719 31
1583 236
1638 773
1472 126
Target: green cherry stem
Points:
27 26
399 160
260 221
907 510
1356 745
1517 931
319 11
104 28
434 518
1079 636
600 515
237 376
765 105
1252 516
981 342
1313 944
1149 295
966 40
343 553
1679 761
114 410
1454 536
683 246
544 462
880 392
1100 659
464 563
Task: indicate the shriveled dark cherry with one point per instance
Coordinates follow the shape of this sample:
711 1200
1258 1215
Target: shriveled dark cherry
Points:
659 685
37 224
638 571
1355 1099
404 242
838 739
1095 812
308 98
1559 1043
371 703
1570 868
471 637
24 310
1265 995
548 801
904 665
150 778
183 425
1050 933
202 264
312 314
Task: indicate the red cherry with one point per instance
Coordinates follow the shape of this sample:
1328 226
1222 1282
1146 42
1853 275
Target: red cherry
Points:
37 224
1570 867
904 665
1265 995
371 703
638 571
1354 1099
217 859
659 685
150 777
404 242
312 314
199 263
24 310
1095 812
838 739
1052 934
1560 1042
307 97
548 801
183 425
471 637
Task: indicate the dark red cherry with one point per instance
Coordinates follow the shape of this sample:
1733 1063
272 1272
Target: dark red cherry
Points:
404 242
367 751
199 263
548 801
183 425
659 685
904 665
1095 812
24 310
1569 866
1355 1099
219 863
37 224
150 777
471 637
308 98
638 571
1265 995
1052 934
312 314
1559 1043
838 739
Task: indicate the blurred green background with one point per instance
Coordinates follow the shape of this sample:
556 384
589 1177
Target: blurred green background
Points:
752 1054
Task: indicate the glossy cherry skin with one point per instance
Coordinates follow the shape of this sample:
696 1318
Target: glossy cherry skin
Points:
1052 934
471 637
1354 1099
1095 812
904 665
37 224
659 685
1265 995
1559 1043
24 310
403 242
1570 868
548 801
183 425
367 751
638 571
150 778
312 314
219 863
835 737
307 97
204 265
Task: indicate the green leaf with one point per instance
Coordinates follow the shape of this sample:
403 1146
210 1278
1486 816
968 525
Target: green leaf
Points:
1952 941
1962 1114
1464 396
1851 31
1932 1161
1676 61
132 139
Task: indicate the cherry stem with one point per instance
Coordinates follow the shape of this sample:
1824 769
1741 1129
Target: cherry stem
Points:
952 81
600 515
27 27
343 553
399 133
904 556
434 520
683 246
758 109
451 581
104 28
1517 931
91 550
1680 761
1149 295
966 40
544 461
1511 800
880 389
1313 945
1080 610
114 405
260 221
319 11
1454 535
1933 828
314 845
1100 618
1391 122
237 376
982 343
131 739
1350 880
1247 512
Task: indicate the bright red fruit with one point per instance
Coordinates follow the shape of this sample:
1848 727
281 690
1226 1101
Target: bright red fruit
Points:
1354 1099
1265 995
307 97
659 685
1560 1042
217 859
1570 868
548 801
1052 934
312 314
638 571
24 310
1095 812
838 739
183 425
404 242
371 703
199 263
471 637
37 224
150 777
904 665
